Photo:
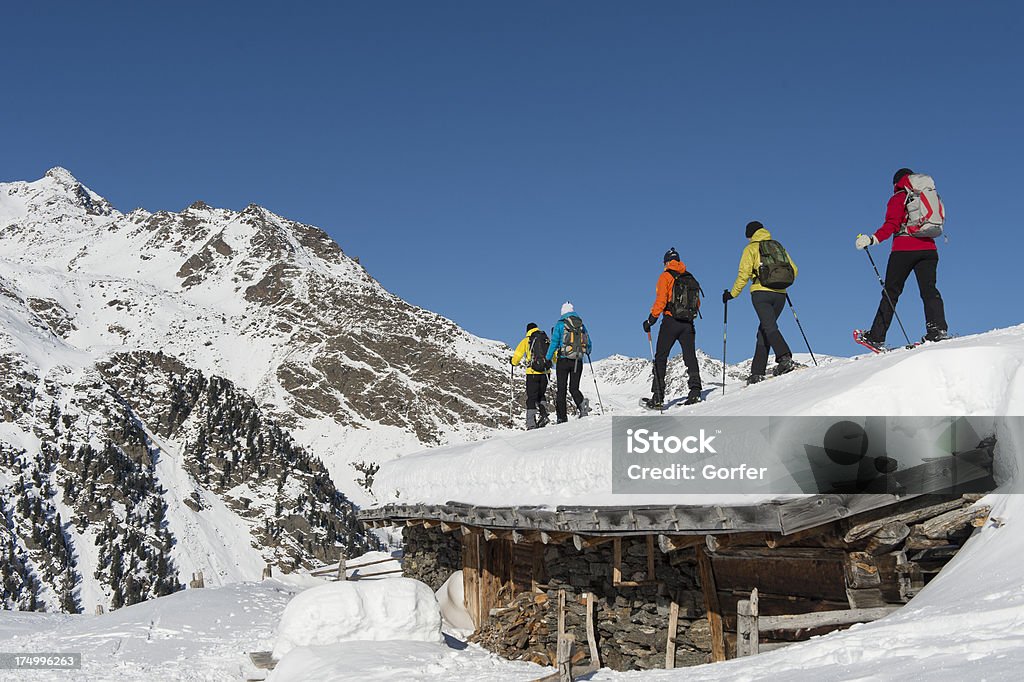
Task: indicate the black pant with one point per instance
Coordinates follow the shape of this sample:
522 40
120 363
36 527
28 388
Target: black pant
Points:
673 330
768 305
924 265
567 375
536 387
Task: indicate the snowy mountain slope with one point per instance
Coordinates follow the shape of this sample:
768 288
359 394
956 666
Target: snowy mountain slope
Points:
184 390
570 464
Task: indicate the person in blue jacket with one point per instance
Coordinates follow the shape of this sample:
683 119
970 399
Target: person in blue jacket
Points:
570 343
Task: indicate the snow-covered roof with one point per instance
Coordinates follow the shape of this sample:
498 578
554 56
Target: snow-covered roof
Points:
570 465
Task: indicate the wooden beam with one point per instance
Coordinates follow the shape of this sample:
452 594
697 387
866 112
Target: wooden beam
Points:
583 542
944 525
711 605
820 619
616 561
449 527
672 543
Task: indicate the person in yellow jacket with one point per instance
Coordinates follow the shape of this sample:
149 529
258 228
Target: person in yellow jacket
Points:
768 304
532 351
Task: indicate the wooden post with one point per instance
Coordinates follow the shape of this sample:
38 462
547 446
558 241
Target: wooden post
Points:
616 561
673 626
650 557
197 580
561 614
747 630
99 609
711 605
565 646
595 654
342 568
268 571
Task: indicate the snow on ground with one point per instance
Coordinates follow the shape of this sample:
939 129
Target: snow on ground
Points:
195 634
968 623
570 464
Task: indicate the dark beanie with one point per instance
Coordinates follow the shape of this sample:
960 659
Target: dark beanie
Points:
530 326
902 172
752 227
671 254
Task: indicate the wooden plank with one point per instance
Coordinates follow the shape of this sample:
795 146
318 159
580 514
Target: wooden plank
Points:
799 572
595 654
471 578
821 509
820 619
747 627
711 604
673 626
565 647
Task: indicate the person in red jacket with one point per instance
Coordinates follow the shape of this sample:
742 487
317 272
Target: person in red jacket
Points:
909 254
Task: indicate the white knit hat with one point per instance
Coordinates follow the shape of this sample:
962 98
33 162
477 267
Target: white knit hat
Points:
567 308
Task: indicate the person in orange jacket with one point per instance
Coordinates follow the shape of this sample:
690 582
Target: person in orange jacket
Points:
672 330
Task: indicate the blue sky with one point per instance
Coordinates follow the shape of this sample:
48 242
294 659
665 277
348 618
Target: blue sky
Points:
490 160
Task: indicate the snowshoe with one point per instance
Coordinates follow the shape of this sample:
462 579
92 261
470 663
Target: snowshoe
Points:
755 379
934 336
652 404
693 398
543 420
860 336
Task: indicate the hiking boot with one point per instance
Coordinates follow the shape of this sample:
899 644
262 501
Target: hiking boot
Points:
784 366
543 419
693 397
583 409
755 379
934 335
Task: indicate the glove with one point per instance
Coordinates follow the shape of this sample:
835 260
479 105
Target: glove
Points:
726 296
649 322
866 240
548 365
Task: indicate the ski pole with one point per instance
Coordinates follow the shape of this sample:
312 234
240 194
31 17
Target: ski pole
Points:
657 381
596 390
801 327
886 293
725 332
511 393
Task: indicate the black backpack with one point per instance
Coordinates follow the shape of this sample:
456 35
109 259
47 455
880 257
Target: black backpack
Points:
775 272
574 339
539 343
684 303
